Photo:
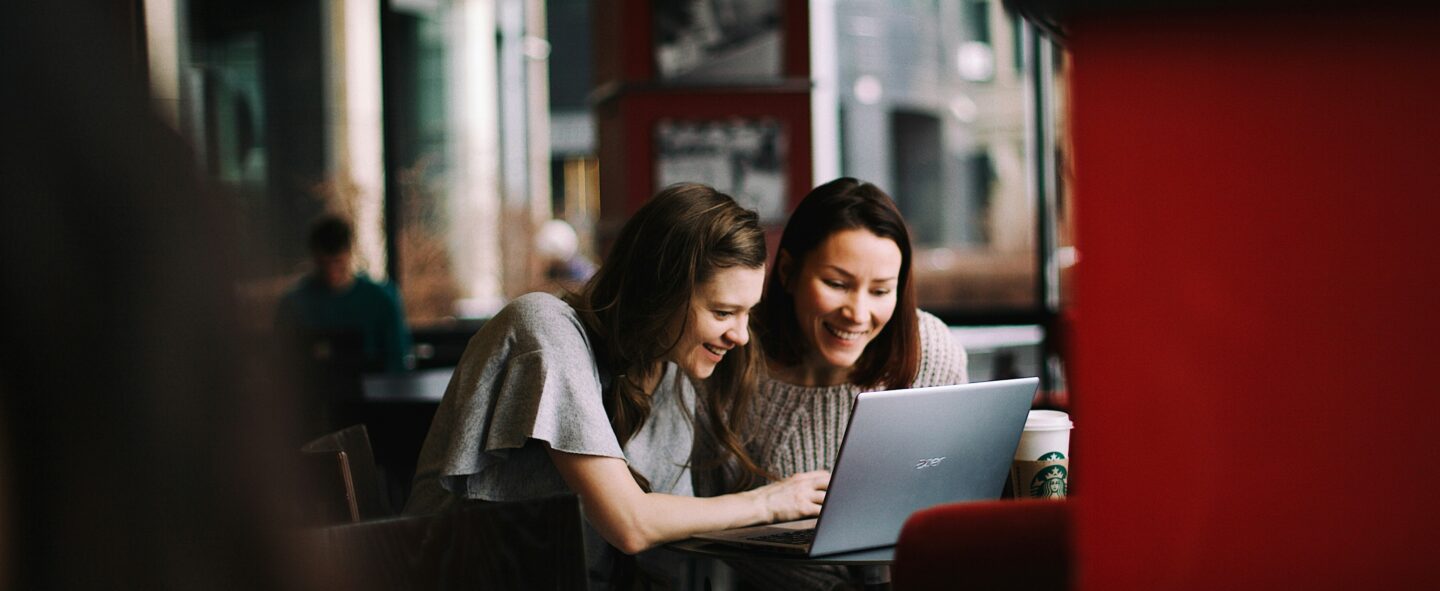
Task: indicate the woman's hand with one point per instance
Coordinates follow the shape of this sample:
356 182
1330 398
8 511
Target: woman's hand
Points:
633 520
796 497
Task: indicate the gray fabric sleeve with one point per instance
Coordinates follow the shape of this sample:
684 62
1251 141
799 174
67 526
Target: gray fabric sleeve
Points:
527 380
943 360
555 399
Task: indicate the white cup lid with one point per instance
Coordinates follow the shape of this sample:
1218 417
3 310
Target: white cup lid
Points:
1047 420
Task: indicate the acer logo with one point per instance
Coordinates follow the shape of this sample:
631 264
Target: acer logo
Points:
930 463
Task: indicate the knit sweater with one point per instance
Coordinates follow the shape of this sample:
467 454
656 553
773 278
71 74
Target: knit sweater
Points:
799 429
803 425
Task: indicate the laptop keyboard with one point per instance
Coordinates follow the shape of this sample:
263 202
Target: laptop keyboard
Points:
799 537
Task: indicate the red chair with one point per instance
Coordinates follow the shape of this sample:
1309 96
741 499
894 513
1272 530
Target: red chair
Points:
991 545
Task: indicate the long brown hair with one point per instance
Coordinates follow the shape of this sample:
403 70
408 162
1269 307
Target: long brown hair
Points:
893 358
675 242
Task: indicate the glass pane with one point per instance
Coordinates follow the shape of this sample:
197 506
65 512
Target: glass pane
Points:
742 157
257 122
717 42
415 46
1066 254
934 113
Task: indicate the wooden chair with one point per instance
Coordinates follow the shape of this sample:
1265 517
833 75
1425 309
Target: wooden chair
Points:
342 468
993 545
475 545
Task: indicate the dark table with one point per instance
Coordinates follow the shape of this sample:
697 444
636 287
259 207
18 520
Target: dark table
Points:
398 408
873 565
421 385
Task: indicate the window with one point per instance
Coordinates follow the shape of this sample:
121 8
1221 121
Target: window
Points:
415 119
944 133
924 106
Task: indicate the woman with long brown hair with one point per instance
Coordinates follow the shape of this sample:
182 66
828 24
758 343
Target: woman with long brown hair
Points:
595 394
839 318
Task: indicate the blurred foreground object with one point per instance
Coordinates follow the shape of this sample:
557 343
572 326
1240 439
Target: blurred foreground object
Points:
142 448
993 545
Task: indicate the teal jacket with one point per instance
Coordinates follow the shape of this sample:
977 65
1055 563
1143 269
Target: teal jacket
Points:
371 309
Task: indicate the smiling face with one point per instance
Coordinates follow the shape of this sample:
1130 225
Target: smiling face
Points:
844 293
719 319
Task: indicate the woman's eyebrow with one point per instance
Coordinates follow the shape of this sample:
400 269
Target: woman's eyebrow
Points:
849 275
728 306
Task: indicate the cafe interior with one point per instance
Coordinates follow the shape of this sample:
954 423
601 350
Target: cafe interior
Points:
1153 207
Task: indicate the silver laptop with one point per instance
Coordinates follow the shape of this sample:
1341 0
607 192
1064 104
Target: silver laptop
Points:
905 450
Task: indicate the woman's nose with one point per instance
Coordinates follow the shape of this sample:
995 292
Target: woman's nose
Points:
738 334
855 308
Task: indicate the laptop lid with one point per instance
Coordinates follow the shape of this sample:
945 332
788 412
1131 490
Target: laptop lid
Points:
906 450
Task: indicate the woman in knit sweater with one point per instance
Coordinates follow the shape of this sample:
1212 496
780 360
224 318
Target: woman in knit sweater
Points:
838 318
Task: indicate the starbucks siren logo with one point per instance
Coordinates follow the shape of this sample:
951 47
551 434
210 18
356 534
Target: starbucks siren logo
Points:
1049 482
1052 456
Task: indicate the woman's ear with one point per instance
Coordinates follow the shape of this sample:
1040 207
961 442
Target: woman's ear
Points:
784 268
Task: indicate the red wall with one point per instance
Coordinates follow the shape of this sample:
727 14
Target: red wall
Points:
1255 366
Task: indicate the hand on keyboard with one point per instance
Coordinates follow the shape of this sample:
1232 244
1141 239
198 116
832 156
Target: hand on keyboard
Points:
796 497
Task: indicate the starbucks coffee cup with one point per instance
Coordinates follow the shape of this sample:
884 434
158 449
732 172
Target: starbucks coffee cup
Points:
1047 433
1042 460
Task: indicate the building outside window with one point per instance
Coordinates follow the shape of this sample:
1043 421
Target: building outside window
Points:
935 103
422 121
932 107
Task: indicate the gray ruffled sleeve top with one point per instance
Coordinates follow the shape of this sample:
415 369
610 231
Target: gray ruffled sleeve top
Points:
526 381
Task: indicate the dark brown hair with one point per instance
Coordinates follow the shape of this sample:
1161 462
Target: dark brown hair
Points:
675 242
893 358
330 235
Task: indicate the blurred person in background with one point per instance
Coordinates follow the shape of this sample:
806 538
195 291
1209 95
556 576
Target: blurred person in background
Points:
333 298
139 447
558 247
